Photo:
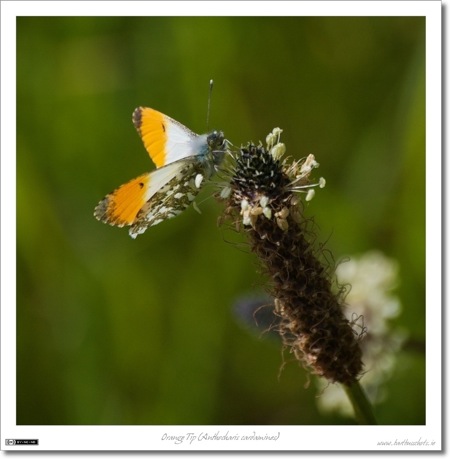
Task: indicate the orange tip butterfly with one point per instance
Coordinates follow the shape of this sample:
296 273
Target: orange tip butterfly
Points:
184 161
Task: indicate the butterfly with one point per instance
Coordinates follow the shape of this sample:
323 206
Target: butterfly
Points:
184 161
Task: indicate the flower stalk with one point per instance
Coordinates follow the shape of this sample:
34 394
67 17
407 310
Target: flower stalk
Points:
361 405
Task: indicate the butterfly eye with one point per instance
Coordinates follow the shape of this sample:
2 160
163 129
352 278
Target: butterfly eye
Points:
216 140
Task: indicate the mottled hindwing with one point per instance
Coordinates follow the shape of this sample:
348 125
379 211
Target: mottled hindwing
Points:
170 199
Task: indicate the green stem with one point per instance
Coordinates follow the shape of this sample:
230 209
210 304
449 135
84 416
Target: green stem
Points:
360 403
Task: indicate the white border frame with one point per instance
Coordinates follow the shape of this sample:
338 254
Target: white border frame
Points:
304 438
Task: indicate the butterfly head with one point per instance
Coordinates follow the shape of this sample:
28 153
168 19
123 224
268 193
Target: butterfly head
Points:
217 145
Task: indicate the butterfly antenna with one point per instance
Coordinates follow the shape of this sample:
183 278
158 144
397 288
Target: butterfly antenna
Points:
211 84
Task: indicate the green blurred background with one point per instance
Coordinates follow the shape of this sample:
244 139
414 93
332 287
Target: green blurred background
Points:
112 330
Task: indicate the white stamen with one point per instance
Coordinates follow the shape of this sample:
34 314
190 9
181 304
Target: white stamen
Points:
246 220
310 194
278 150
322 182
270 140
309 165
277 132
264 201
267 211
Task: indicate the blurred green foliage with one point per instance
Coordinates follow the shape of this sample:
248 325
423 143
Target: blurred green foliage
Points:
112 330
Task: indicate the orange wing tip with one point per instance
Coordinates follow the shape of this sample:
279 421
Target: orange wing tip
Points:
121 207
104 212
151 126
144 117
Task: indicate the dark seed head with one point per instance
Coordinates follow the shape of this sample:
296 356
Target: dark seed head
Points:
311 320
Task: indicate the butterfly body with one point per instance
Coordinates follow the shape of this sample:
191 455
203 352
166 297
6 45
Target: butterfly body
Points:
184 160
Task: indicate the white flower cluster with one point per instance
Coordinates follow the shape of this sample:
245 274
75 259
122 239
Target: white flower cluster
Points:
371 305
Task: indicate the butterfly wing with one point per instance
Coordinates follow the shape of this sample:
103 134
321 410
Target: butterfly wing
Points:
175 196
151 198
122 205
165 139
